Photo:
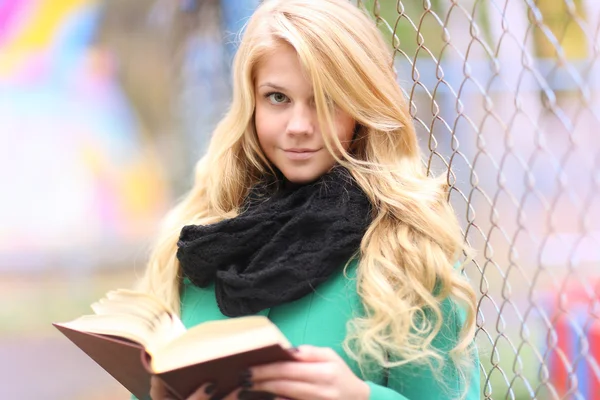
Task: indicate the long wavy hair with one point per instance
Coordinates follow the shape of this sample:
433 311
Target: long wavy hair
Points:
407 256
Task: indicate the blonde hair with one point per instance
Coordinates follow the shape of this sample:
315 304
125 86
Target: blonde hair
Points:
407 254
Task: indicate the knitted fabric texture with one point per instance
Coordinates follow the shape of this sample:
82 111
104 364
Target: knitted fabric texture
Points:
282 245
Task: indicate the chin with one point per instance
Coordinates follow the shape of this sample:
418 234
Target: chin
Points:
302 177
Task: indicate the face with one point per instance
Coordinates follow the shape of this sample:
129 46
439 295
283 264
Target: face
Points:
286 119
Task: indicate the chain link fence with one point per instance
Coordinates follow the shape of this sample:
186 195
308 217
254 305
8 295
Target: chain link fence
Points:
505 95
506 98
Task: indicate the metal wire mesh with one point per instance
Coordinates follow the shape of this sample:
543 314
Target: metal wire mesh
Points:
505 95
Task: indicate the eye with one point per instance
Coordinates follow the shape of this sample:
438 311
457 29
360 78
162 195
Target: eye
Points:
276 97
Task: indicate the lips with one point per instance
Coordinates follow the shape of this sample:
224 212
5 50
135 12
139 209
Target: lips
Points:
300 154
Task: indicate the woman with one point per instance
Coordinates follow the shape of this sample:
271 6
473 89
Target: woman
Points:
312 207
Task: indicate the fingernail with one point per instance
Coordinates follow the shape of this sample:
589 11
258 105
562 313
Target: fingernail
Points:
246 384
246 379
294 350
246 374
210 388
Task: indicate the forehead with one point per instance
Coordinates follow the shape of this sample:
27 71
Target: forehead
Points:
282 68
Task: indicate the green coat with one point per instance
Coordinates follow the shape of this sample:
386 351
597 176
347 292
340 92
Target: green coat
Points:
320 318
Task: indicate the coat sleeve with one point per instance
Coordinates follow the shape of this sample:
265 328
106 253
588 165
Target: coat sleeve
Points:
410 382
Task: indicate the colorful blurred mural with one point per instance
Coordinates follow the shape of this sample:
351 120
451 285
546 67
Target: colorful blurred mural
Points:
75 168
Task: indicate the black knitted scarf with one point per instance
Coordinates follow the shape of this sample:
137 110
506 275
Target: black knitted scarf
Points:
284 243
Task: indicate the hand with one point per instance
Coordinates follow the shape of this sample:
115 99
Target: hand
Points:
318 374
158 391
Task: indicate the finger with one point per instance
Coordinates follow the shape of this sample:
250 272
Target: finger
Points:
315 354
203 392
295 390
158 391
235 395
314 372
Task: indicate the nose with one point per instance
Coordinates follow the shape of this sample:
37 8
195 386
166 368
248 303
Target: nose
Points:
302 120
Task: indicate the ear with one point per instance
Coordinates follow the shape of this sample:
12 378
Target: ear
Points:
357 127
355 137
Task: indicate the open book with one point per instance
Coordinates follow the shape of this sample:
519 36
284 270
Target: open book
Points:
133 335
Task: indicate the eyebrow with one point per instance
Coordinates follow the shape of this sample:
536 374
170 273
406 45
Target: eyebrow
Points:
273 85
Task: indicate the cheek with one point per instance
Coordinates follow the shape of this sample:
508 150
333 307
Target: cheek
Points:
261 123
345 124
267 129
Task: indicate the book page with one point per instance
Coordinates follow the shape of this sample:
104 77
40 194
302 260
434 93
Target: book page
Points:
134 316
216 339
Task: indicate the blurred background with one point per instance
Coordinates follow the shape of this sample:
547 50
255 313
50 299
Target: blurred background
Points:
106 105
